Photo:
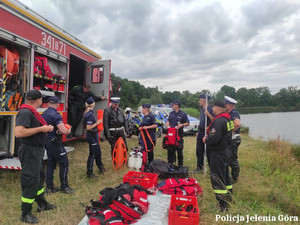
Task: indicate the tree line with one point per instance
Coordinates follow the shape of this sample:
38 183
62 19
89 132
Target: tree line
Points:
259 99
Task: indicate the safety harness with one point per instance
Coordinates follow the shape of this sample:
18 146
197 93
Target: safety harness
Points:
35 113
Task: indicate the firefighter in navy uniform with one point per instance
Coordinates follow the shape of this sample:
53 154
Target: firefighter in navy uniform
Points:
236 139
218 143
77 98
91 124
149 123
201 131
31 129
56 151
114 123
179 119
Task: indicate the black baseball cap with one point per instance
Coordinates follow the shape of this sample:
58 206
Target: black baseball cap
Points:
34 95
220 103
176 102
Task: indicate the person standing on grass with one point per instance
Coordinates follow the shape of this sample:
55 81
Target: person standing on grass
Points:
236 138
32 130
114 123
218 143
92 137
178 119
206 111
149 124
56 152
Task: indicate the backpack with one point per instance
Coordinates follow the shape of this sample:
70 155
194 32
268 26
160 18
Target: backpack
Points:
166 170
182 186
172 139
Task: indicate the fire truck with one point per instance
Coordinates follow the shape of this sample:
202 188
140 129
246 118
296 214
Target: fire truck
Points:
36 54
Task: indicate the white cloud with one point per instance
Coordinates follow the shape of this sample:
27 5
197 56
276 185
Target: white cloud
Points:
188 44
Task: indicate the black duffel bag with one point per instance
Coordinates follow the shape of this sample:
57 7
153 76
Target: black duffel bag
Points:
167 170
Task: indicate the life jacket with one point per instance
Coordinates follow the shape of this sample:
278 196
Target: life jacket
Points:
12 60
129 200
100 214
41 67
181 186
225 115
172 139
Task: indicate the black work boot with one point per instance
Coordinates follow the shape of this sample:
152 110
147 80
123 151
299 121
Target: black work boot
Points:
46 206
102 170
29 218
223 205
67 190
91 175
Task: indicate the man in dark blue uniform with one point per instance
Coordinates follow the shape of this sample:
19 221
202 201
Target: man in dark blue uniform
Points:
218 143
148 123
206 111
77 98
236 139
178 119
31 129
56 151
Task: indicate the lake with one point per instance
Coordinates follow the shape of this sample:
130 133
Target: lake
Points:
282 125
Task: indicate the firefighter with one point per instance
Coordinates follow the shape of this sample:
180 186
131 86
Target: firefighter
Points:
31 129
206 111
178 119
92 137
236 139
56 151
149 123
77 98
114 123
218 143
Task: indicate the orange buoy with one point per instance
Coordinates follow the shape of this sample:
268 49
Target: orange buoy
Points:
100 116
119 156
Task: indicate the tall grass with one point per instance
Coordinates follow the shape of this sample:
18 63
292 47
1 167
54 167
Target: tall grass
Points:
268 184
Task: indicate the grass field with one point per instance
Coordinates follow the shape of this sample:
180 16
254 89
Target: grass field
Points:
269 184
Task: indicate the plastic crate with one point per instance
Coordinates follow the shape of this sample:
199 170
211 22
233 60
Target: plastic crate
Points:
146 180
182 217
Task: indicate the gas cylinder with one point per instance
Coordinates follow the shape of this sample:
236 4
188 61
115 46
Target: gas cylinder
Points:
138 161
131 160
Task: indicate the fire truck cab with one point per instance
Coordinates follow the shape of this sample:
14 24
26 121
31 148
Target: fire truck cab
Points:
36 54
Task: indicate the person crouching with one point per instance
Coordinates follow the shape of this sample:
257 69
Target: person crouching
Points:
92 137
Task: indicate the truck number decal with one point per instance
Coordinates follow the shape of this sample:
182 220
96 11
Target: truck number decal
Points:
53 44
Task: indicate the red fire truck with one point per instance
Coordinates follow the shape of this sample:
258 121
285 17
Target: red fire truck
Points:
36 54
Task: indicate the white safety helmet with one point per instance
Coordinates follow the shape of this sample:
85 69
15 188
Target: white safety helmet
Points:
127 110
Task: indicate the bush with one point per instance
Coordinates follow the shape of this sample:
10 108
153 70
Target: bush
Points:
192 112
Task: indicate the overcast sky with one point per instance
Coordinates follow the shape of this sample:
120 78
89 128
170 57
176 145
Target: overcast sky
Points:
188 44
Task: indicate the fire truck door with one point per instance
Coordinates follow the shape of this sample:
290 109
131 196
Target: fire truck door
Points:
98 77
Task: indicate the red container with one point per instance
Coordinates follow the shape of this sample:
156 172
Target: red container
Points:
177 217
146 180
44 105
60 107
61 87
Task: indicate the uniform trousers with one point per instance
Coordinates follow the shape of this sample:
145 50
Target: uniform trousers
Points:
57 154
32 176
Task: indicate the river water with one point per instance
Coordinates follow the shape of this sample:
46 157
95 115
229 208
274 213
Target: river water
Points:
266 126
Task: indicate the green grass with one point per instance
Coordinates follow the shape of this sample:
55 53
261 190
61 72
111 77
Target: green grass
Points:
269 184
